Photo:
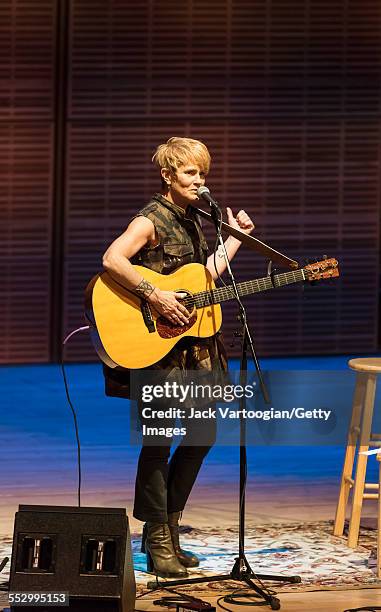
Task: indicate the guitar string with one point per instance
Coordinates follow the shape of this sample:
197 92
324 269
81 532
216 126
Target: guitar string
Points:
220 294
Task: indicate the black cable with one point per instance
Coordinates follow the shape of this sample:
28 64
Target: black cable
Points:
160 586
218 602
243 320
76 433
235 294
231 598
216 244
366 609
155 588
86 327
247 594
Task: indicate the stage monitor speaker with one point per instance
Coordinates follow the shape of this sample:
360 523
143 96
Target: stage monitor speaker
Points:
85 552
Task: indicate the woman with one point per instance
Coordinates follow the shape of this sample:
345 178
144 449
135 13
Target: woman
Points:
163 236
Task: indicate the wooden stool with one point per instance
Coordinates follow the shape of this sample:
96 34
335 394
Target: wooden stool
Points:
359 432
379 519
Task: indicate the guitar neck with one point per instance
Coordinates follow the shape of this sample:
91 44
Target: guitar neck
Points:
222 294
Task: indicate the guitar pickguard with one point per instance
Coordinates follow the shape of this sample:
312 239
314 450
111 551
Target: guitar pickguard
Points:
166 329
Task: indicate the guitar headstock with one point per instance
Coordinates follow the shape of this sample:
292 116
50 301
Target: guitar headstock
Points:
327 268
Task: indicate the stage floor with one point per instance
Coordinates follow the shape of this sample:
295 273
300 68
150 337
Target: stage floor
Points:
285 483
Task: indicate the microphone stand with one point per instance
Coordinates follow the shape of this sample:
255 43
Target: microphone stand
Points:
241 570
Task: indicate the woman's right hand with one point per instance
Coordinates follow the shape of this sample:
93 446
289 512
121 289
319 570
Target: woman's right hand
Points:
166 304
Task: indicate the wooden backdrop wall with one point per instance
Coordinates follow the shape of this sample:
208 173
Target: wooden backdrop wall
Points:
287 97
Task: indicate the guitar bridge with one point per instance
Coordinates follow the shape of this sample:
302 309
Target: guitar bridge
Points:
147 316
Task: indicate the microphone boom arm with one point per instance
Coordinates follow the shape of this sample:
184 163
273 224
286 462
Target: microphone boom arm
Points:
252 243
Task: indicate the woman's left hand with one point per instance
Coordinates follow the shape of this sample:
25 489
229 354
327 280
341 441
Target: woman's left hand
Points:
241 221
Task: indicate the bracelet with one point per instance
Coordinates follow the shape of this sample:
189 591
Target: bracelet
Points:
144 288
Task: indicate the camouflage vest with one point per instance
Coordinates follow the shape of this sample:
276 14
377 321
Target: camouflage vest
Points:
181 240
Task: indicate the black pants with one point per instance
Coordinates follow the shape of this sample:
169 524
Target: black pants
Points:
164 486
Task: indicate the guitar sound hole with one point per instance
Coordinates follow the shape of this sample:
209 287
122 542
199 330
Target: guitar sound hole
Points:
188 302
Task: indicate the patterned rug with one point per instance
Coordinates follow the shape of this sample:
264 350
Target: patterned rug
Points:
309 550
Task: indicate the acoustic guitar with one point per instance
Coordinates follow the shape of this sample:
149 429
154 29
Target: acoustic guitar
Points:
128 332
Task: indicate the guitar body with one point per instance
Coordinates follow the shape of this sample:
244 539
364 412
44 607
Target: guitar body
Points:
121 334
127 332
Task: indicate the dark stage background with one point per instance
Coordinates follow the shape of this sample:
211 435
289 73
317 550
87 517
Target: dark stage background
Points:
286 95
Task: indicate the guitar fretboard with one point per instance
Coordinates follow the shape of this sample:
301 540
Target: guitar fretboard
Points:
222 294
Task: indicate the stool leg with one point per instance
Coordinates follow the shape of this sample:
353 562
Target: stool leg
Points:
353 435
379 525
362 460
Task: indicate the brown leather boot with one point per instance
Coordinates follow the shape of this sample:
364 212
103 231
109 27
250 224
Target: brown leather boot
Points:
186 558
161 558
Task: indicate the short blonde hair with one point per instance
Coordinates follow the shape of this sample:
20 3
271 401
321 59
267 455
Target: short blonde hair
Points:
178 152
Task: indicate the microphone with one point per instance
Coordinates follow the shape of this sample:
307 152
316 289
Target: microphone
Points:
204 193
